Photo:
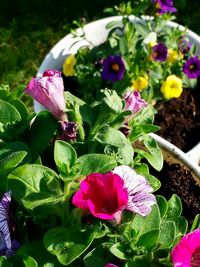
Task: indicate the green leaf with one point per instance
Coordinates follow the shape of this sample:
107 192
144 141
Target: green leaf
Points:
99 256
181 225
148 239
150 222
141 129
143 169
119 250
154 155
35 185
8 113
112 100
37 251
174 207
91 163
65 156
4 262
38 138
20 106
67 243
157 157
18 92
162 204
111 136
196 223
167 233
11 155
22 261
145 116
123 46
125 155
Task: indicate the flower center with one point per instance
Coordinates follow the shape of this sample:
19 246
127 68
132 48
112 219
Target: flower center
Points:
195 259
192 67
115 67
173 86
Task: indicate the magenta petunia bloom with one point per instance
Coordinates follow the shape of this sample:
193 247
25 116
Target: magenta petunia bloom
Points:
68 130
49 92
103 195
113 68
187 252
164 6
159 52
110 265
134 102
192 68
7 246
140 199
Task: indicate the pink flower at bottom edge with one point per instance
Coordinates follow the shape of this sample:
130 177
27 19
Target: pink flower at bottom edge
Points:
187 252
110 265
103 195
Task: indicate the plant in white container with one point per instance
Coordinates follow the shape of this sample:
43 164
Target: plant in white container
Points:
153 55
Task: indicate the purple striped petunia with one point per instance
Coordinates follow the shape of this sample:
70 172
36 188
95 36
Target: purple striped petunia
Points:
7 245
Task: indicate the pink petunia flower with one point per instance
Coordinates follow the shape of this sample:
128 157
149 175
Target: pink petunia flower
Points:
49 92
187 252
139 190
110 265
103 195
134 102
107 195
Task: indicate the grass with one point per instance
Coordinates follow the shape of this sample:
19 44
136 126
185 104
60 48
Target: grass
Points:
29 28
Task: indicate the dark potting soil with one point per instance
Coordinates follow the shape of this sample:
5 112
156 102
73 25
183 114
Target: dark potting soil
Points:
179 119
177 180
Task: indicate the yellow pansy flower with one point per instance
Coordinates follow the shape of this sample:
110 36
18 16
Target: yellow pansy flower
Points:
68 66
172 87
173 55
140 83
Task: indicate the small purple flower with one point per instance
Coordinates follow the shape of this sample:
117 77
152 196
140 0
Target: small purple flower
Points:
7 246
113 68
192 68
139 190
164 6
184 45
68 130
134 102
159 52
49 92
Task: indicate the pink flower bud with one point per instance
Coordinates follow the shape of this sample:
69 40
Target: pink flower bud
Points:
134 102
49 92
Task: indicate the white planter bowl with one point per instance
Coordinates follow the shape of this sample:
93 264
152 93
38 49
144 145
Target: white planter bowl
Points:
96 33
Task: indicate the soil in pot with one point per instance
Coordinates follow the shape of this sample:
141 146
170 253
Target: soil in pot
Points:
176 179
179 119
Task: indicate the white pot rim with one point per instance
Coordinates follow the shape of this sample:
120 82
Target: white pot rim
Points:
96 33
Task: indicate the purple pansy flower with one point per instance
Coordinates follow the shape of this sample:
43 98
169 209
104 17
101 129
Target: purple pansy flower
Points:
159 52
68 130
139 190
164 6
184 45
192 68
7 246
113 68
49 92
